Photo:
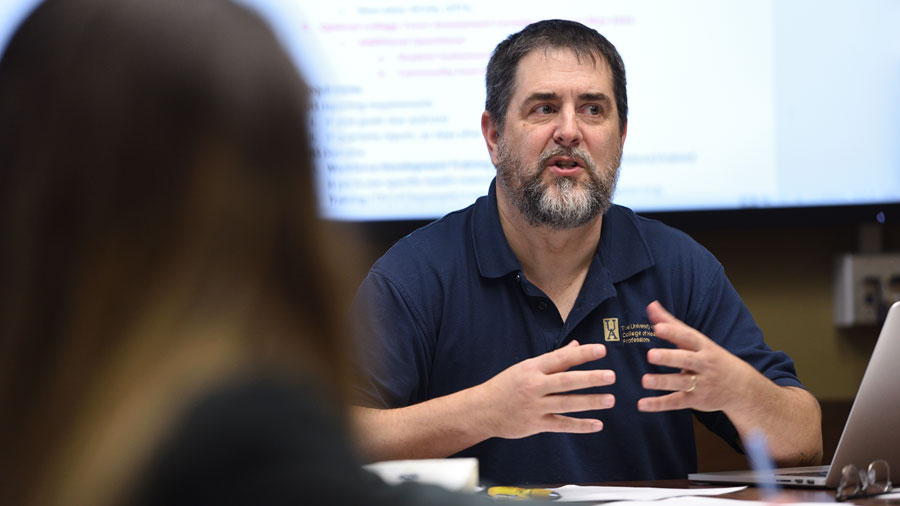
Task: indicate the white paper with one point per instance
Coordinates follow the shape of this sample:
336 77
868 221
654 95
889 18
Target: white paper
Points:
572 493
891 495
452 474
702 501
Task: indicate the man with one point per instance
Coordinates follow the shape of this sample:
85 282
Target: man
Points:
523 330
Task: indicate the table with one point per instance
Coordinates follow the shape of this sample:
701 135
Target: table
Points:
754 494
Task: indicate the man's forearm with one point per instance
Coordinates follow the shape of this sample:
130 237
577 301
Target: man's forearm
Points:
789 416
432 429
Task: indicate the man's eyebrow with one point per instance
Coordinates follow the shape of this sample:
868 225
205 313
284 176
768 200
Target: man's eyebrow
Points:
594 97
540 96
549 96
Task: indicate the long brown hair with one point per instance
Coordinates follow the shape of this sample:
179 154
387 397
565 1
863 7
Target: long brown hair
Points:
158 231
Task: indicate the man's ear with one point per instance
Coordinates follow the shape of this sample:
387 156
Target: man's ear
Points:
624 133
491 136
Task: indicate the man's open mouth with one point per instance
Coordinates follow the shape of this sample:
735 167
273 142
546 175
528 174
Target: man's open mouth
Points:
564 162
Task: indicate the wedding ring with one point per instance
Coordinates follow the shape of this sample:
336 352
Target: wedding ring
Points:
693 383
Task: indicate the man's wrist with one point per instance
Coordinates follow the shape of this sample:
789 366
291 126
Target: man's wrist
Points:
756 394
477 414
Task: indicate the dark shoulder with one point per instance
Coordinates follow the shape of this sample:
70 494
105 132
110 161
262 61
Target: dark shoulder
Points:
663 241
259 406
441 241
237 444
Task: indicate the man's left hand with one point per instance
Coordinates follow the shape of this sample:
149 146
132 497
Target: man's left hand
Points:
711 378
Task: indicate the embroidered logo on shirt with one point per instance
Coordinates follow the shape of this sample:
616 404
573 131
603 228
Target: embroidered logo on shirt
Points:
637 333
630 333
610 329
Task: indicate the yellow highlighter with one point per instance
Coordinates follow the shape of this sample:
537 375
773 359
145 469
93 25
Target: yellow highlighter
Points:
522 493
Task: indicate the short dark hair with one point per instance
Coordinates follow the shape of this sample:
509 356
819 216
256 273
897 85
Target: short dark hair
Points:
552 33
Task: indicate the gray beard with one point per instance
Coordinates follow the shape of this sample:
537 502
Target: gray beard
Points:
571 206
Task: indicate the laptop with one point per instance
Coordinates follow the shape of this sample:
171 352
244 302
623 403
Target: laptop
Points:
872 430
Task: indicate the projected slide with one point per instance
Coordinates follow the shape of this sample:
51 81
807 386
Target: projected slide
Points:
400 91
733 103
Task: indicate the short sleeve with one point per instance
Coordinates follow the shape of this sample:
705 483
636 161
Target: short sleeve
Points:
393 351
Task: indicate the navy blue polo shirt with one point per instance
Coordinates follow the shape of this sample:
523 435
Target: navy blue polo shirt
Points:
448 307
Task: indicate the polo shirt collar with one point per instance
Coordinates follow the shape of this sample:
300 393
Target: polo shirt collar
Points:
493 255
623 248
623 251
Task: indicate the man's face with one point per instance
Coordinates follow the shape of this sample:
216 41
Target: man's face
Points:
558 155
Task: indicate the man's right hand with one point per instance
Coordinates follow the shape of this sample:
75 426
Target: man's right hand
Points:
530 397
526 398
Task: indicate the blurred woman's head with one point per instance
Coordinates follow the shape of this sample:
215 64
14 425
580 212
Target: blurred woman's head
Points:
157 228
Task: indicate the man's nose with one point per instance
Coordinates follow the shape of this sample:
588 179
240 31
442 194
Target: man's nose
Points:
568 129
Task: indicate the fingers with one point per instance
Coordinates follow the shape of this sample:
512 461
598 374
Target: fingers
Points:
658 314
574 403
680 335
679 359
689 356
577 380
530 395
667 327
671 382
569 356
669 402
559 423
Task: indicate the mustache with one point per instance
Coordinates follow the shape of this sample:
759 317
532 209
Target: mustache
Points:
571 152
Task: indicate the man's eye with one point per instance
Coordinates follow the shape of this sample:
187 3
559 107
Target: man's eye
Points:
543 109
593 110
